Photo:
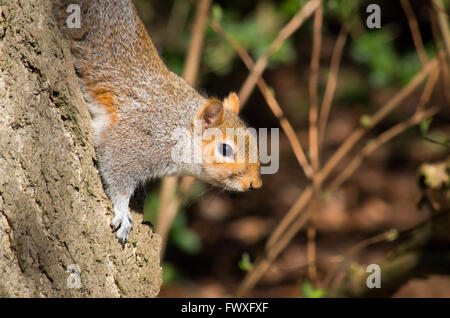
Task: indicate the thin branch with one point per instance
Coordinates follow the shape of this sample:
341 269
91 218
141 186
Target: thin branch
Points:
166 215
331 83
273 104
314 136
196 46
294 220
263 263
443 23
293 25
172 205
311 248
177 21
419 114
169 204
375 119
441 55
313 88
348 145
290 217
411 257
428 90
356 249
298 220
415 31
349 170
270 99
388 236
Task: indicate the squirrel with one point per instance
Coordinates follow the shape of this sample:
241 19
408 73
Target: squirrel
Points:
136 104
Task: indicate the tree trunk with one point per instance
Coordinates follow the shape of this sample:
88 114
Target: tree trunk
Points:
54 215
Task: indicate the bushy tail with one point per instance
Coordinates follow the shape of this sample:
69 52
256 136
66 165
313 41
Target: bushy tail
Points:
112 51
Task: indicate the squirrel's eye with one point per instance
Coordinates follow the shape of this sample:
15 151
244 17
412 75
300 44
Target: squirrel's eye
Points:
225 150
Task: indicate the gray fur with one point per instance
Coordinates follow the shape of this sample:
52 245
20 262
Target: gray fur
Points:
114 56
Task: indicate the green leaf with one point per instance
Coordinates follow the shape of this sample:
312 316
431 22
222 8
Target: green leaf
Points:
255 32
386 66
365 121
326 196
170 273
216 13
318 293
180 221
245 264
308 290
183 237
187 240
151 204
392 235
425 125
290 7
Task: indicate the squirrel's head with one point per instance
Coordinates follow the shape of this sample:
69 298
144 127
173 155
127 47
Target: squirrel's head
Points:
230 157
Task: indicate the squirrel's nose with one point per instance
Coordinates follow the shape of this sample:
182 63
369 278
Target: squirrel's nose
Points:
255 184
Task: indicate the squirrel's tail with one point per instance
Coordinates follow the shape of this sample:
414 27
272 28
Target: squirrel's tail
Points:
112 51
100 23
117 65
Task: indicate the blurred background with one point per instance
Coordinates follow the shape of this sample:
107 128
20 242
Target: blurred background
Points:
216 236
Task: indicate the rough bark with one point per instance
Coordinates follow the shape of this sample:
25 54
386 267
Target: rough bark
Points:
53 211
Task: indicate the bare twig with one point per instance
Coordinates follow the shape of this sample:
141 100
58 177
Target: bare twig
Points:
196 45
173 206
331 83
419 114
345 174
298 220
375 119
415 31
428 90
313 88
263 263
415 254
290 217
354 250
177 21
314 136
311 246
441 55
293 25
294 220
324 112
348 145
169 204
165 214
270 99
443 23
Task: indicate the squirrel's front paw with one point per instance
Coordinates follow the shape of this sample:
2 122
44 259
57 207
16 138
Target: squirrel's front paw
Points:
122 225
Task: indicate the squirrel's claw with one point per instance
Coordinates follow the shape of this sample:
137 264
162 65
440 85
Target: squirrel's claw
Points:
121 223
123 230
117 220
123 233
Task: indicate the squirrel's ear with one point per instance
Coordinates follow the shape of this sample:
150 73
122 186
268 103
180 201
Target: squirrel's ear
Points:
232 103
211 114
